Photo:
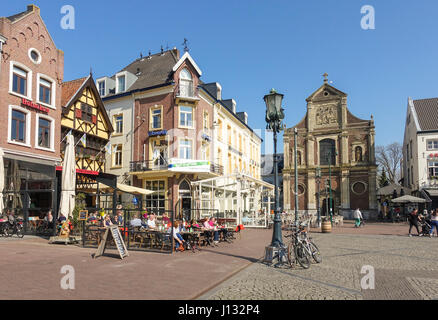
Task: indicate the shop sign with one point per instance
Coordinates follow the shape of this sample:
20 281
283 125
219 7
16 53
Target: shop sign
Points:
184 165
35 106
83 171
157 133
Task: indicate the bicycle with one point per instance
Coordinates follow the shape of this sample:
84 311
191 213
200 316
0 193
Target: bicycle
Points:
17 228
303 248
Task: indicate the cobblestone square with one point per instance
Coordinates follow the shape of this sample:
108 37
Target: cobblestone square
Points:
405 269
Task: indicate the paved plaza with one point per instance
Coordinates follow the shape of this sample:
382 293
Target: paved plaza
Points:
405 268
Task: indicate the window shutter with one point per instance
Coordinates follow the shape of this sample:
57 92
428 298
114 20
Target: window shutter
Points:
94 119
79 113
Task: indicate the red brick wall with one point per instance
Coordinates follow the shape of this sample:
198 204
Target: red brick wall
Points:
30 32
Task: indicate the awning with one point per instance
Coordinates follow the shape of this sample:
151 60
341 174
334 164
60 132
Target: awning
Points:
128 189
409 199
432 192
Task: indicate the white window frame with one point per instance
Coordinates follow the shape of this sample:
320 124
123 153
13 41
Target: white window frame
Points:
115 124
30 56
113 162
185 112
28 126
52 105
119 75
104 87
52 132
29 80
180 145
431 141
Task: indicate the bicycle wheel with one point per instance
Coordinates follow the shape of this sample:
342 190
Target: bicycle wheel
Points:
315 252
302 256
20 231
291 254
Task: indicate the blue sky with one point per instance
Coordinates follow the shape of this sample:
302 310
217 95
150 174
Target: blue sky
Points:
251 46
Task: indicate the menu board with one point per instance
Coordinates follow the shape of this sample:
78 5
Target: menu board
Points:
120 244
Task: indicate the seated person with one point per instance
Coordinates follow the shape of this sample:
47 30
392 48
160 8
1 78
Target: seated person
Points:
179 241
107 221
194 224
151 222
165 218
221 229
209 227
49 219
136 222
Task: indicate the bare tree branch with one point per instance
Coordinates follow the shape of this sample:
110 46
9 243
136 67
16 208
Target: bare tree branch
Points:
389 158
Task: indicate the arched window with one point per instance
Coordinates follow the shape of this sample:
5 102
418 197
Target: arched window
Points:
186 83
327 152
358 154
184 187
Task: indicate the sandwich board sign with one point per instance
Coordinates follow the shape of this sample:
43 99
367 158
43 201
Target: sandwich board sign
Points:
114 232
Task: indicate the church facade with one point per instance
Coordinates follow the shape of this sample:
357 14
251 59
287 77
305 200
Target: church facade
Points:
330 139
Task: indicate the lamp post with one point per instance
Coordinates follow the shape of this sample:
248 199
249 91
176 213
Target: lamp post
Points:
318 181
296 175
330 184
274 117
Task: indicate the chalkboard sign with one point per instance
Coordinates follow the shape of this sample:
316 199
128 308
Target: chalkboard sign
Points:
120 244
119 241
83 215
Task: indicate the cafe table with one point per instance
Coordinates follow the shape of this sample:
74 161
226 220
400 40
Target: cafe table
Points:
192 237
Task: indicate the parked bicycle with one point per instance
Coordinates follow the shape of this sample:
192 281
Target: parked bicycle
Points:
17 228
301 248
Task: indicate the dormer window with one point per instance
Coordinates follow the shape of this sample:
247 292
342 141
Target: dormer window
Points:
101 85
121 83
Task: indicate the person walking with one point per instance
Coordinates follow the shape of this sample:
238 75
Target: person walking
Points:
413 222
434 222
358 217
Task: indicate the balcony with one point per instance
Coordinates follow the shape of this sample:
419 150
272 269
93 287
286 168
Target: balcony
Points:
148 165
186 92
177 165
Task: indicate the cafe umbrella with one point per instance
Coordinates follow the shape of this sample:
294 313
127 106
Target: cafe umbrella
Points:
68 183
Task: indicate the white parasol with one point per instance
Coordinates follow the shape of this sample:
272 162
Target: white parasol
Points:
68 184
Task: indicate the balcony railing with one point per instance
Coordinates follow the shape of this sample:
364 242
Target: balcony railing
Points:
148 165
155 165
187 91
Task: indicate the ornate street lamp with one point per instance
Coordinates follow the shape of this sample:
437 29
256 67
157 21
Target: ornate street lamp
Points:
318 209
274 118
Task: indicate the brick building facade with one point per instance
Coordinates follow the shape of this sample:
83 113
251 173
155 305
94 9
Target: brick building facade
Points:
342 146
30 94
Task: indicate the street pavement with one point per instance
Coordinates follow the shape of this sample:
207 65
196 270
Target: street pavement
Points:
405 268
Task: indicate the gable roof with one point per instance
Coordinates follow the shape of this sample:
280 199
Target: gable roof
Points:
187 56
151 71
72 90
427 113
330 89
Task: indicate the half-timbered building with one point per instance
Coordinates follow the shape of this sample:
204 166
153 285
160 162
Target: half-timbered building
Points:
84 115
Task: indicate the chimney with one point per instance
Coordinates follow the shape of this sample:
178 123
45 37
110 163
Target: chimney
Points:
234 105
219 91
176 53
32 8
